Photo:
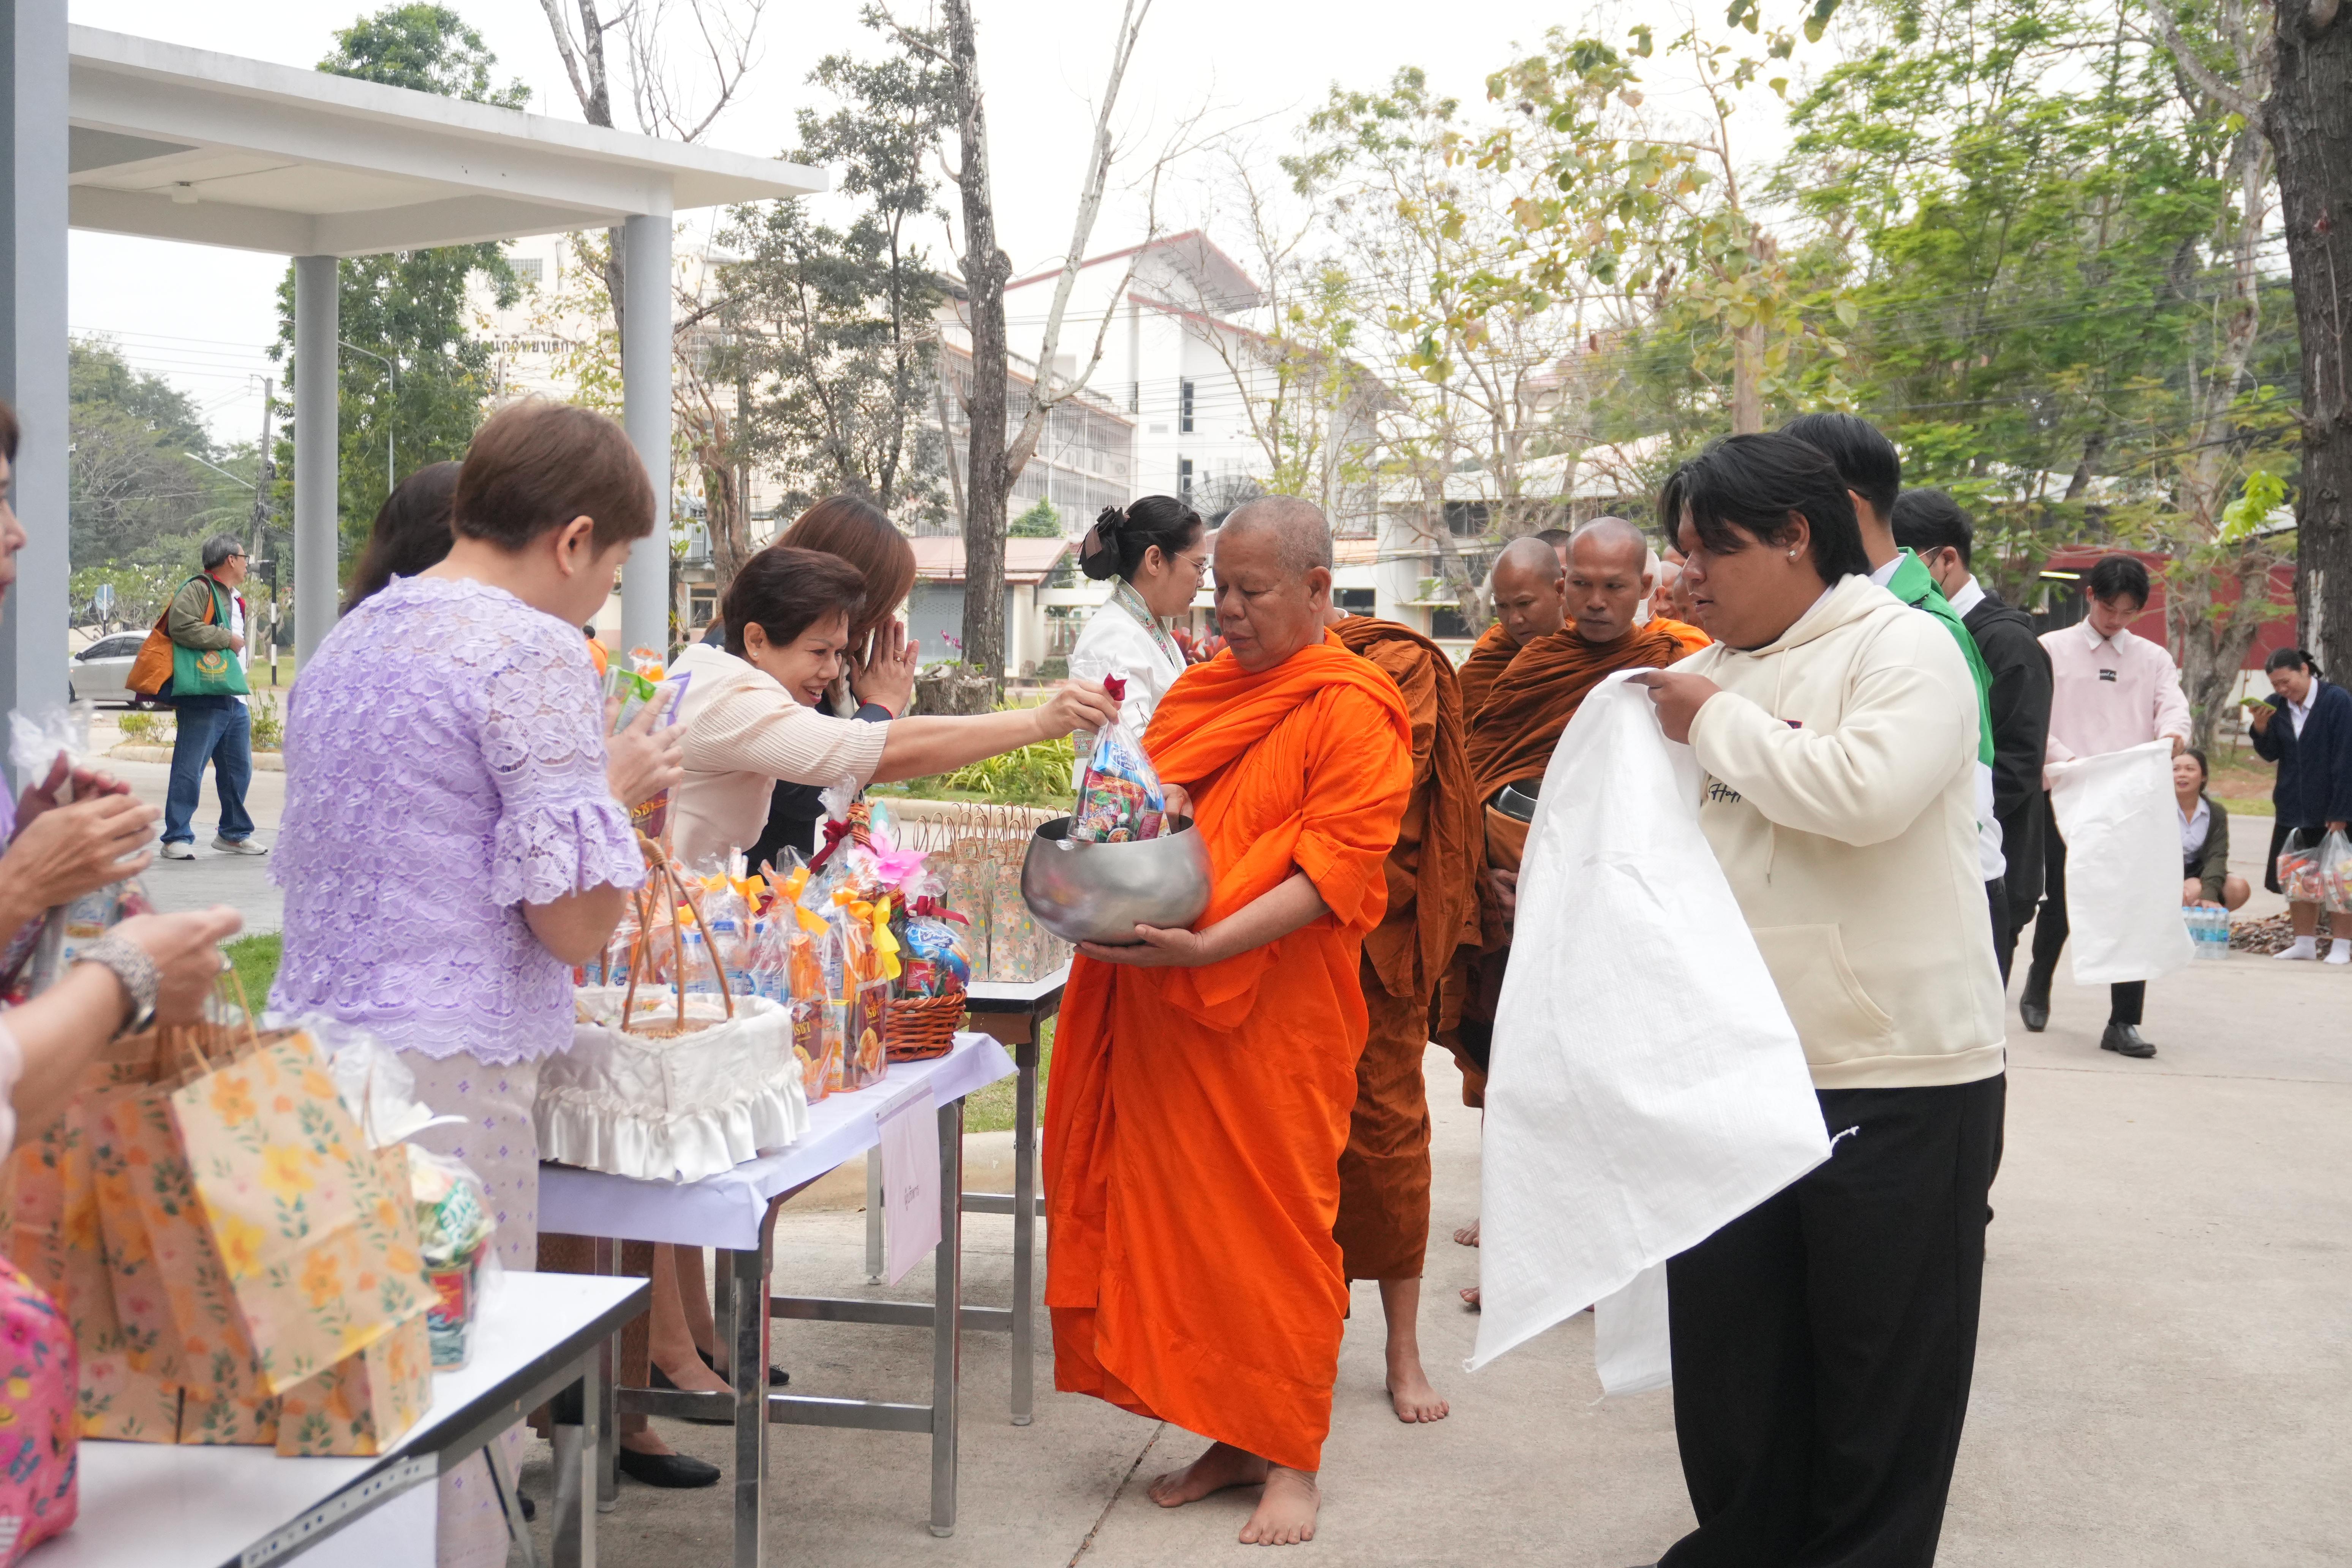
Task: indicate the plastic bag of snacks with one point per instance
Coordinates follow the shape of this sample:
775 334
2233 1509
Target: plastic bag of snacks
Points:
2335 872
454 1225
2298 874
645 681
935 963
869 963
1119 798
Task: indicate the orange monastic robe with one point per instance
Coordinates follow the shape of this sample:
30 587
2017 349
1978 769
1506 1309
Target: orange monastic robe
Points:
1433 908
1689 637
1195 1117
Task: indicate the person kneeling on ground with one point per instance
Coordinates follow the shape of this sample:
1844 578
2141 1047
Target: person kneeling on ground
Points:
2206 880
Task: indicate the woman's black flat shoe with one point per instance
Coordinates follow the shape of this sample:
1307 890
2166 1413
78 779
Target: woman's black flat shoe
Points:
677 1472
661 1380
777 1376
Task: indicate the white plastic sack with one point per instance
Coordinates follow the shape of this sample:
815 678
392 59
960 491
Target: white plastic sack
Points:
2122 826
1646 1086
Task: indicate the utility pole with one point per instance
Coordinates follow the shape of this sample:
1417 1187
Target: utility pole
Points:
257 528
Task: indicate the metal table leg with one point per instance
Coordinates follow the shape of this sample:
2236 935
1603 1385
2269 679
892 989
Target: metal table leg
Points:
1024 1230
947 1304
873 1216
578 1468
604 1445
746 1310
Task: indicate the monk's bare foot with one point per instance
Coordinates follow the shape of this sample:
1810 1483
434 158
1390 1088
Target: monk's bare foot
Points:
1285 1510
1222 1466
1409 1391
1467 1236
1470 1297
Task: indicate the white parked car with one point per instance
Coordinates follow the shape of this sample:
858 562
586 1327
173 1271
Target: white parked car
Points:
102 672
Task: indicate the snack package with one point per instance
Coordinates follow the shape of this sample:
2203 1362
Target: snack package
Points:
643 681
454 1225
816 1037
862 989
44 949
1120 799
2335 875
935 963
2298 874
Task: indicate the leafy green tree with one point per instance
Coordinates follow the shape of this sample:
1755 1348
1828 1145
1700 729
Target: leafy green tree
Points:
135 493
1043 521
835 324
418 400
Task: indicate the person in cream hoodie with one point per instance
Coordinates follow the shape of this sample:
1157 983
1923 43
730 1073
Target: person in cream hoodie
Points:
1822 1343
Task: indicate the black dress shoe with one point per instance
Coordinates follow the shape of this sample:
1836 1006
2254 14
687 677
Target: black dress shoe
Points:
529 1508
2035 1013
2124 1040
777 1376
677 1472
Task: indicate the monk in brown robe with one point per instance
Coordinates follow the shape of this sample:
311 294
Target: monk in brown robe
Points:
1529 589
1432 908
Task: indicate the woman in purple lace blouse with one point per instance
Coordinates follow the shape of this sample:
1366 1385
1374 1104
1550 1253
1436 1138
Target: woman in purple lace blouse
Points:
454 834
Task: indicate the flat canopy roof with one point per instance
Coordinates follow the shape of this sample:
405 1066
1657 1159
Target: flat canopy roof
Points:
178 143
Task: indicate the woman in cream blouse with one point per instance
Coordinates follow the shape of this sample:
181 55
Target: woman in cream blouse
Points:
751 715
1156 553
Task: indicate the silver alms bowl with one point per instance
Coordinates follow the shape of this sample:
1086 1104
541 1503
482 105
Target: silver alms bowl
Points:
1101 892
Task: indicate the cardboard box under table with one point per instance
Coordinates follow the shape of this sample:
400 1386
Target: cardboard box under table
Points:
735 1213
155 1505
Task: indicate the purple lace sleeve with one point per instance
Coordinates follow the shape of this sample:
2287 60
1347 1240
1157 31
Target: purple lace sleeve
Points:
559 829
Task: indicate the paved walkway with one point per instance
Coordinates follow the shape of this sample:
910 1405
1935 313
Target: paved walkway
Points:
213 878
2161 1381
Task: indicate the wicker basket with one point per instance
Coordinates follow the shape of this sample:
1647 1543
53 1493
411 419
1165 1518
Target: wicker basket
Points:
917 1029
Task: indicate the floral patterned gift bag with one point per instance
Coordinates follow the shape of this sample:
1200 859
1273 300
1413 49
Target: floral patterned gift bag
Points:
295 1204
38 1435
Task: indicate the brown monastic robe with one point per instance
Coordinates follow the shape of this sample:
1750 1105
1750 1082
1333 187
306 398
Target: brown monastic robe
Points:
1512 735
1432 908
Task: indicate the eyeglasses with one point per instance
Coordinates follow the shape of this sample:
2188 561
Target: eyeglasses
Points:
1198 564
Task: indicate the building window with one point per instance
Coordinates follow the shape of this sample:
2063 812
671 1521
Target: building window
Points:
1355 601
530 268
1184 408
1184 480
1447 622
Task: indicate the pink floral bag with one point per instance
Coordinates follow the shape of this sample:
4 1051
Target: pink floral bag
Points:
39 1429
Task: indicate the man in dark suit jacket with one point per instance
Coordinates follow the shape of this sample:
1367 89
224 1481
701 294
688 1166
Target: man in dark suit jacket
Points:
1932 527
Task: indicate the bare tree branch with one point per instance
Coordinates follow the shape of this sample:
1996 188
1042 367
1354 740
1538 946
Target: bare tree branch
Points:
2226 94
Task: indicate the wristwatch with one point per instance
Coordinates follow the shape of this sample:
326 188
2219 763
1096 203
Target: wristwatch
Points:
131 965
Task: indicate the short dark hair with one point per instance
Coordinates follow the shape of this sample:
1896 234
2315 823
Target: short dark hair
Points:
861 533
221 548
536 464
1932 520
2120 577
1555 537
1116 545
411 533
2291 658
1753 482
784 591
9 432
2203 769
1865 459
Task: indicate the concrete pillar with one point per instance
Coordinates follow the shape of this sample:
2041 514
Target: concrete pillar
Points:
318 435
33 343
644 413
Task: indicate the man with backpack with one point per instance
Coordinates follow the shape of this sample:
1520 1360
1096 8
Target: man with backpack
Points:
205 623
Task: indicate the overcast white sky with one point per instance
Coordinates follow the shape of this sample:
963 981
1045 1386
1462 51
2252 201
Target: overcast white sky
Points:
204 316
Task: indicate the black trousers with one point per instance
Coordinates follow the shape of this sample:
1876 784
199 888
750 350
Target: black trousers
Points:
1823 1342
2125 998
2004 934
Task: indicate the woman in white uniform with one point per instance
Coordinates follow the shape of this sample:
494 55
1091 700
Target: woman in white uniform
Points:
1156 553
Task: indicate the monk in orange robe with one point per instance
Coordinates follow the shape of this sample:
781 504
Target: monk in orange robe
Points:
1204 1080
1432 908
1670 607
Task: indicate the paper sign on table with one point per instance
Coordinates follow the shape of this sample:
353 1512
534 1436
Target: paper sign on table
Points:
910 1180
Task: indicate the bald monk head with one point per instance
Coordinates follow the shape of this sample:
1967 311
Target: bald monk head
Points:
1273 563
1529 589
1558 538
1608 577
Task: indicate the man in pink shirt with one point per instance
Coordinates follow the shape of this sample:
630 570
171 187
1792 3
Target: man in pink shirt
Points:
2109 689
